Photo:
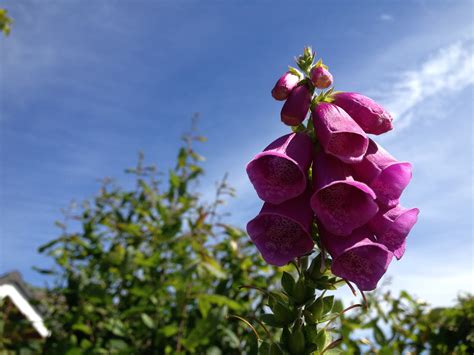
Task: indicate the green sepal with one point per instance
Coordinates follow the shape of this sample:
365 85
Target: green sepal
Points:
310 334
298 129
316 309
285 337
264 348
321 339
314 272
271 320
295 71
328 303
287 282
275 349
283 314
302 292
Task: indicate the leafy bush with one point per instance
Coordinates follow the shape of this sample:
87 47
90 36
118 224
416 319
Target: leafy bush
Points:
405 325
152 269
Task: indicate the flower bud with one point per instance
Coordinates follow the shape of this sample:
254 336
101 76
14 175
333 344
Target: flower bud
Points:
338 133
357 257
370 116
384 174
339 202
296 106
321 77
284 86
283 232
279 172
392 227
296 343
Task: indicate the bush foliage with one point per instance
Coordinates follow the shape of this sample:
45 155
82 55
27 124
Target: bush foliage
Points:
153 269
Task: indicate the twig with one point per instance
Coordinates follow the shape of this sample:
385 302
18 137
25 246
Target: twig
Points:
246 322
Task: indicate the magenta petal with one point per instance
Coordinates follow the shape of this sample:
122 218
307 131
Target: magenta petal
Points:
357 257
370 116
384 174
282 232
284 85
279 172
392 227
296 107
340 203
339 135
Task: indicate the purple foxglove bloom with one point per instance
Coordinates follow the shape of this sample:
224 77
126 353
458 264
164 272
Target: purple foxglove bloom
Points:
372 117
321 77
284 85
283 232
392 227
338 133
296 107
279 172
357 257
384 174
340 203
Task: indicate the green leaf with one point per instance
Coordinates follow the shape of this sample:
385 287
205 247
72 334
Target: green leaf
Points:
220 300
74 351
174 180
213 267
169 330
378 334
213 350
82 328
182 156
148 321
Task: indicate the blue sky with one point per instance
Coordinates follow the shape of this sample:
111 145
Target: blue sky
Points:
85 85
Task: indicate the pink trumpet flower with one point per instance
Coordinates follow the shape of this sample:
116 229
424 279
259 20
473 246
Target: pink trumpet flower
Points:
372 117
340 203
357 257
279 172
283 232
284 86
296 107
384 174
339 134
392 227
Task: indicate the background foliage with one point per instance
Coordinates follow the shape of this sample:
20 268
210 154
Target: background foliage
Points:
152 267
405 325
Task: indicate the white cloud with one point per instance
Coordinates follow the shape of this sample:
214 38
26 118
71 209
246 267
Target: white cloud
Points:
386 17
447 71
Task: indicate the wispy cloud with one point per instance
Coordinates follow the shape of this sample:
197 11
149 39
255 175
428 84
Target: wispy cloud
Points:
386 17
447 71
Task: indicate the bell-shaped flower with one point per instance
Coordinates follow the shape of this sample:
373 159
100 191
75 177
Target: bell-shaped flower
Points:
372 117
296 107
284 86
339 134
384 174
283 232
279 173
339 202
392 227
357 257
